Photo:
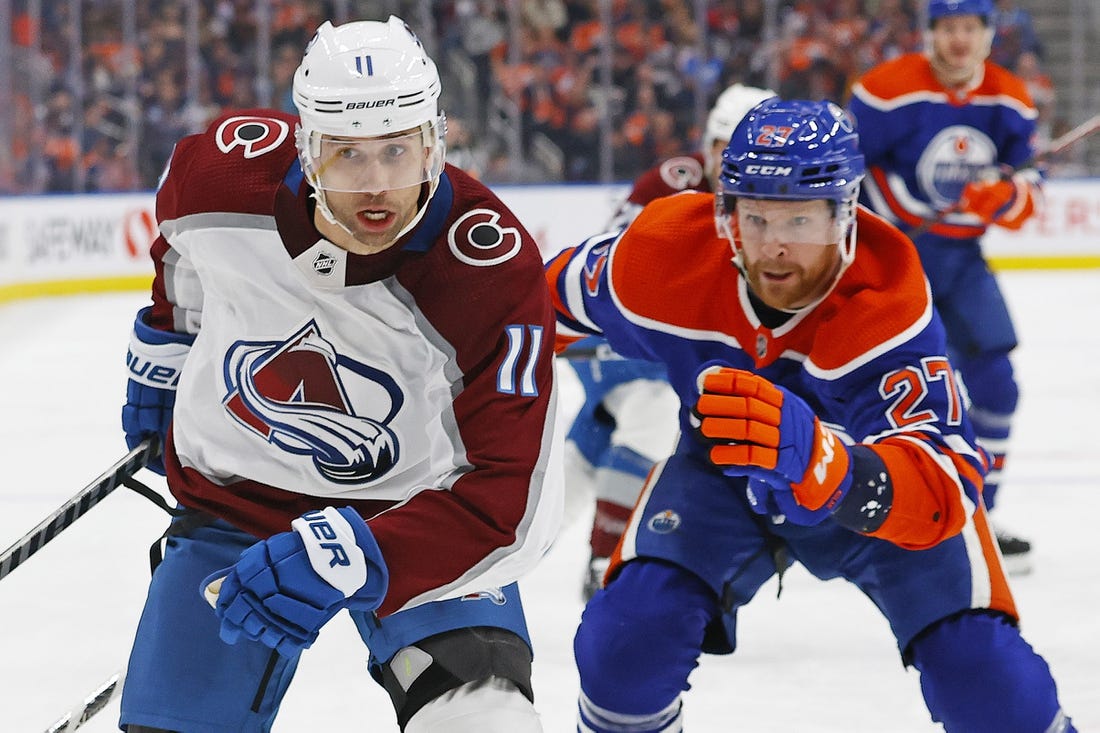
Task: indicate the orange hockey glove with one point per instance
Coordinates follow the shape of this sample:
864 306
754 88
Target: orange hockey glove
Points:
995 202
766 432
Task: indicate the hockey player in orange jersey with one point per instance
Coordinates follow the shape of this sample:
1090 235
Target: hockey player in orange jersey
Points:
820 423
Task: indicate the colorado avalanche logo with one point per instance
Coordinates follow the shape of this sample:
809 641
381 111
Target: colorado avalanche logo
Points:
681 173
292 394
257 135
478 239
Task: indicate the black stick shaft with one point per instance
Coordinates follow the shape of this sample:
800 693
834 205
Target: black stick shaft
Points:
77 506
90 705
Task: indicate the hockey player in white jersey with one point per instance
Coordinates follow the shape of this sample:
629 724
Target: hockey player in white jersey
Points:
348 361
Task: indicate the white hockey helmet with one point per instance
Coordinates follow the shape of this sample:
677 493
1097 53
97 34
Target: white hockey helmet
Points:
367 79
728 110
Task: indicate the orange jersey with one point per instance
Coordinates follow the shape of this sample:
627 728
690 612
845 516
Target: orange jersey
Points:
869 359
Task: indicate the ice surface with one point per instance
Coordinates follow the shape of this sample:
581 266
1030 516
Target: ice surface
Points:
819 660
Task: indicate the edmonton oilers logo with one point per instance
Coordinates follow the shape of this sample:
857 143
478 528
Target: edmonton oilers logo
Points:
664 522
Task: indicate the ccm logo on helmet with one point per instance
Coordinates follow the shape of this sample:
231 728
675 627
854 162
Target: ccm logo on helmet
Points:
768 170
370 105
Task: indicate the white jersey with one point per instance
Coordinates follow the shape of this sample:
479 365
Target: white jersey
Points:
415 385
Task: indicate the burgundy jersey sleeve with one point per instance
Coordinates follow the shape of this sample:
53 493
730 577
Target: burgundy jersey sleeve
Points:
238 164
483 292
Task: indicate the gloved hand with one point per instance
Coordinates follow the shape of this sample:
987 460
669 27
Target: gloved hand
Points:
285 588
768 433
154 361
991 200
768 499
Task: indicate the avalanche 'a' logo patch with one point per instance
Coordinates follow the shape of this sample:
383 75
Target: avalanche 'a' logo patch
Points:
297 395
257 135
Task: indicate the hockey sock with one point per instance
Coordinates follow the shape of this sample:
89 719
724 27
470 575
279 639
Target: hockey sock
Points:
637 643
993 397
608 526
978 675
619 481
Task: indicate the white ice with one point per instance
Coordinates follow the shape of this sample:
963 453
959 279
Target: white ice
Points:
818 660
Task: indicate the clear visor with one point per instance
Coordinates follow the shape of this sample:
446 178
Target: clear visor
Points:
373 164
790 222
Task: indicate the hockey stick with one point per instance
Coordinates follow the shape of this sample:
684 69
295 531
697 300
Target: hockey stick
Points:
1055 146
78 506
1065 140
580 353
82 712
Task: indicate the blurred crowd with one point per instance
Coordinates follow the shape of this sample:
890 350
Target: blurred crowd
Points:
531 91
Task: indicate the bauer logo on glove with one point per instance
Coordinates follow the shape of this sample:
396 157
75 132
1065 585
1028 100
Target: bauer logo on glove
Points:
327 537
285 588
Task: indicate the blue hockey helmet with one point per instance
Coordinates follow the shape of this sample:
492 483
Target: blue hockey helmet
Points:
793 150
943 8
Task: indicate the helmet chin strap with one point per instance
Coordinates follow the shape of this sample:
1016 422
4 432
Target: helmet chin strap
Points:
421 210
318 196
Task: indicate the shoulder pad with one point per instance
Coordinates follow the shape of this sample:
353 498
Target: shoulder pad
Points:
237 164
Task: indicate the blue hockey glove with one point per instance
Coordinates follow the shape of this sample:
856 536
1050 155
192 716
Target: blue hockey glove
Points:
768 499
285 588
154 362
763 431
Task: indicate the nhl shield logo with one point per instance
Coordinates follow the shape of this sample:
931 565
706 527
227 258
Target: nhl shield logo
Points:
324 263
761 345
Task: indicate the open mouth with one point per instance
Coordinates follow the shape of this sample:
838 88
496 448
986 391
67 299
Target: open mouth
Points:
375 219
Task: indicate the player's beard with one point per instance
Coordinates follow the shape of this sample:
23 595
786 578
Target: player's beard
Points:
799 287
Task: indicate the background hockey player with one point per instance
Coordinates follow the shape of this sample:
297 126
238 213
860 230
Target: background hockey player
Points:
356 341
627 421
820 423
948 140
